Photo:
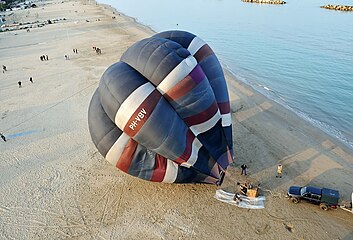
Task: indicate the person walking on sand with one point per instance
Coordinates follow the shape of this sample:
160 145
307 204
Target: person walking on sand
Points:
46 57
4 69
279 171
243 169
3 137
30 79
19 84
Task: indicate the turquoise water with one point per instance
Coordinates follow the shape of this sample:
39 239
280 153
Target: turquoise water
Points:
297 54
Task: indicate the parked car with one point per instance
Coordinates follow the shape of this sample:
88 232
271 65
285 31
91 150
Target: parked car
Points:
326 198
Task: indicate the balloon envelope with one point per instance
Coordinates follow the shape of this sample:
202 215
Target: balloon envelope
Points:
162 112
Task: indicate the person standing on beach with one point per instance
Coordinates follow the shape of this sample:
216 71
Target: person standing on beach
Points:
243 169
30 79
46 57
19 84
279 171
3 137
4 69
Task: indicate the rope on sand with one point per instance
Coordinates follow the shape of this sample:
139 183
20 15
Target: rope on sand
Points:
274 194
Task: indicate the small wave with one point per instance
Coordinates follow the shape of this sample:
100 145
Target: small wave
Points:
330 130
272 95
264 87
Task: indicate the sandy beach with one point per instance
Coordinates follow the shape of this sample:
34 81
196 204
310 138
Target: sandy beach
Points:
54 184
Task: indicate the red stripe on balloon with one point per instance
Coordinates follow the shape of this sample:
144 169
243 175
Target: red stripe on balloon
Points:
203 52
183 87
159 168
180 89
202 116
126 157
184 157
142 113
224 107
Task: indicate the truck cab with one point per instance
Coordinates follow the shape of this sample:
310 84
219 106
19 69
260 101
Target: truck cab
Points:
326 198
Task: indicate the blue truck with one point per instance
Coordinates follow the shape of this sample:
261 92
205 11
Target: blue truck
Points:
324 197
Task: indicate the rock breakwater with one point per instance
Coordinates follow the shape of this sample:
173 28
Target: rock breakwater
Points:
338 7
266 1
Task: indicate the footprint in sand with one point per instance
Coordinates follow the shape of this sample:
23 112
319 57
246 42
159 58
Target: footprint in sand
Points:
4 114
262 229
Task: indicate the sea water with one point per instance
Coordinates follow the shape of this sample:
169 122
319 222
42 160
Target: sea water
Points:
297 54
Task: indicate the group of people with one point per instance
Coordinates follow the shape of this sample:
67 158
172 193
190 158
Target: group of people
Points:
244 167
4 69
74 50
98 50
44 58
20 83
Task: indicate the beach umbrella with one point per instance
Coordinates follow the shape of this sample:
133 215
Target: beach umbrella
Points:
162 112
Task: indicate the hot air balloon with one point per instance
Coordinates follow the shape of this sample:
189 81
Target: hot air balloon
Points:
162 112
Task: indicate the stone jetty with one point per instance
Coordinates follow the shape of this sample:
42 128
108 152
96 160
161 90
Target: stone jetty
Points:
338 7
266 1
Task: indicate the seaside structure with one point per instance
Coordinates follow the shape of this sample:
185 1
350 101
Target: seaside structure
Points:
344 8
265 1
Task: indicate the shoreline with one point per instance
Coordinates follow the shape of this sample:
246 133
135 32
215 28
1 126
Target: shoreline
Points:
53 174
326 129
331 131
